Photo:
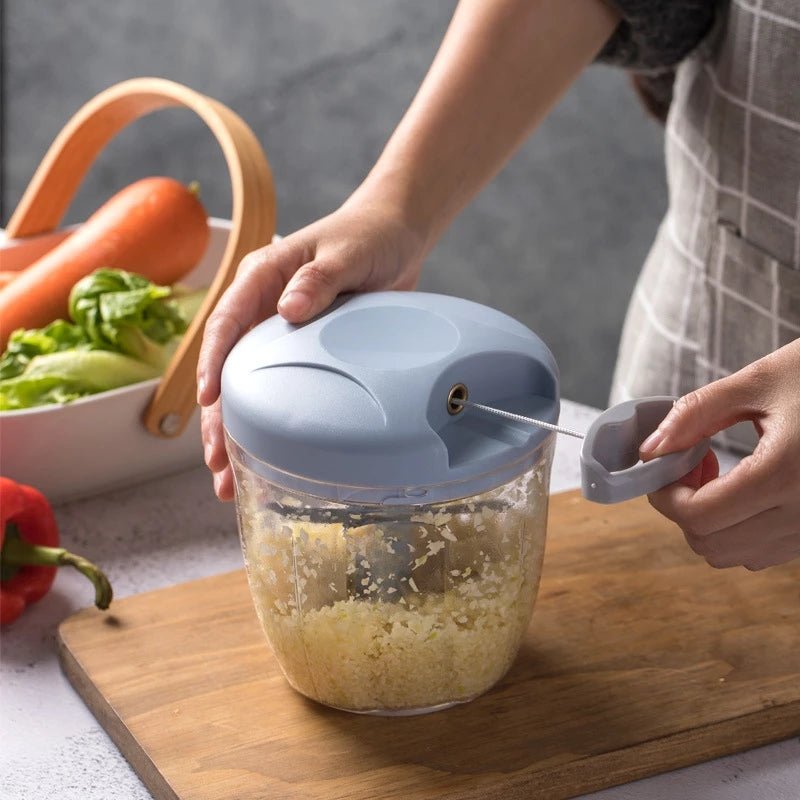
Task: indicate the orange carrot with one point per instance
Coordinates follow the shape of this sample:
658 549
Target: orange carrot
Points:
6 276
155 227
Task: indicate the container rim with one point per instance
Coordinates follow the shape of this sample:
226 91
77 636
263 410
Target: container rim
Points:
405 495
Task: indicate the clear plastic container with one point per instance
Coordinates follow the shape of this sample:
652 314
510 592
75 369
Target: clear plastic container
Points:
393 609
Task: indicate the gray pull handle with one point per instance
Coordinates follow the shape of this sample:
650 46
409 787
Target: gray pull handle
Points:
610 468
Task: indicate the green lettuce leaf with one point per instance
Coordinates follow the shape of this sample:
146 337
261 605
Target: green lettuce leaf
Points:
125 329
125 312
24 345
68 375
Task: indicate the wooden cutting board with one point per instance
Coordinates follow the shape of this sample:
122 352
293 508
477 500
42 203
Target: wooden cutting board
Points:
640 659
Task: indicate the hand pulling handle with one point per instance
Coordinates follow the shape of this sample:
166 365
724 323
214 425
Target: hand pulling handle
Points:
610 467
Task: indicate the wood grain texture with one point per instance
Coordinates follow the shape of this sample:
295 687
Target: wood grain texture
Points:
640 659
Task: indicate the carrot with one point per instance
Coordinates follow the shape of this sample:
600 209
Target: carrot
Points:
155 227
6 276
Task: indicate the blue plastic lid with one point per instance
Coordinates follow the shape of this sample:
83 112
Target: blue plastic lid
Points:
352 406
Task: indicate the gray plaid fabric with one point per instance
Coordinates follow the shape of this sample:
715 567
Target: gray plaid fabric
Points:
721 286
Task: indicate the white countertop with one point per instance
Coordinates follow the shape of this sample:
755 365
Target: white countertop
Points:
173 530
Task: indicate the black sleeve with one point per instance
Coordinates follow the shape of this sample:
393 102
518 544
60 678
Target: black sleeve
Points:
655 35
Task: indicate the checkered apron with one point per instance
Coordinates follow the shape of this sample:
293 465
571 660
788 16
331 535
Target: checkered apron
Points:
721 285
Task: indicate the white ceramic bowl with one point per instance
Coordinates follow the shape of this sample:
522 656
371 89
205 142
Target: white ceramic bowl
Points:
99 442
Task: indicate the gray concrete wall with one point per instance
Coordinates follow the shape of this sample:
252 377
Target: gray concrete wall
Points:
556 240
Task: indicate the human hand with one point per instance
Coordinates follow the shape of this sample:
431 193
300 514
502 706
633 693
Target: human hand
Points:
751 515
364 246
500 69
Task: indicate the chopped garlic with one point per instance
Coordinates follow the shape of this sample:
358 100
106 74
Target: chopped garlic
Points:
435 547
359 639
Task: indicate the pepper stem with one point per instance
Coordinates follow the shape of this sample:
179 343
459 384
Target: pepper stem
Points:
20 553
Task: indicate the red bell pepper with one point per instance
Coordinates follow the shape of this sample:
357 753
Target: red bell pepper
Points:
29 555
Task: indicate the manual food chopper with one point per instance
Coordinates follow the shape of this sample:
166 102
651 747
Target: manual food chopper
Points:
393 536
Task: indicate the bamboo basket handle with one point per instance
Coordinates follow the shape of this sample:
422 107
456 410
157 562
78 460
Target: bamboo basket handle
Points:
69 158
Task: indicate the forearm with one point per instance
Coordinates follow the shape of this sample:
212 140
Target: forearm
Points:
502 65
